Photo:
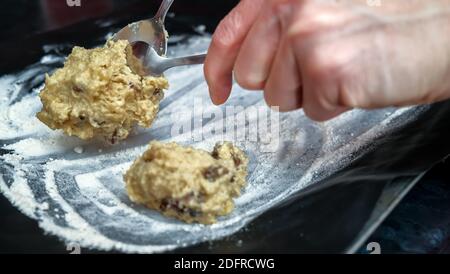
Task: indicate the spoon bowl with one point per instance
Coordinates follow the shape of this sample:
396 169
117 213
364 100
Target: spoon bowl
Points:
148 45
150 31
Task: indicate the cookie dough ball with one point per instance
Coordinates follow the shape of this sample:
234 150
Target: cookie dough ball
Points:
96 94
186 183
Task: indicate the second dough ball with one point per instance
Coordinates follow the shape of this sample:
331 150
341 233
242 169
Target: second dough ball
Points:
190 184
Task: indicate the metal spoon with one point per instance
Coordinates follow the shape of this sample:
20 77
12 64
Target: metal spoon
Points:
148 43
144 60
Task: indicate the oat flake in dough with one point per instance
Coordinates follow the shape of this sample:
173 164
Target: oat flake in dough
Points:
96 95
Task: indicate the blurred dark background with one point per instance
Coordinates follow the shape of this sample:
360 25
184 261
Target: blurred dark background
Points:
420 224
21 18
35 22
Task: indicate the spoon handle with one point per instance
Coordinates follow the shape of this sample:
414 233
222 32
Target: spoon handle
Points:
188 60
183 61
163 9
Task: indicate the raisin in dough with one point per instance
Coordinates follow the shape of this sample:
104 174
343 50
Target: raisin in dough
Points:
186 183
96 94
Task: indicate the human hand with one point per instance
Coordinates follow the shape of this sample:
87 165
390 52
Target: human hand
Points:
332 56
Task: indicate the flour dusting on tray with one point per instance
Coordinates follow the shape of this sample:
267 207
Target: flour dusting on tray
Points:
75 189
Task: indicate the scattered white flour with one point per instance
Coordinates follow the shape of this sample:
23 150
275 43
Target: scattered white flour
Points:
80 197
78 150
201 29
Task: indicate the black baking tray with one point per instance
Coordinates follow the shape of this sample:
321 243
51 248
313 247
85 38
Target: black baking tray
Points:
333 216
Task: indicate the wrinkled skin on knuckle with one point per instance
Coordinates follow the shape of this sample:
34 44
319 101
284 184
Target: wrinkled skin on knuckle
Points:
228 34
283 10
343 66
315 17
224 37
327 61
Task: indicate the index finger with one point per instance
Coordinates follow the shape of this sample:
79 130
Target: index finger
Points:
225 46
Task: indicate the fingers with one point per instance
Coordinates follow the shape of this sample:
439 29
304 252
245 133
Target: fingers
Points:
266 49
256 55
321 99
316 83
324 79
225 45
283 87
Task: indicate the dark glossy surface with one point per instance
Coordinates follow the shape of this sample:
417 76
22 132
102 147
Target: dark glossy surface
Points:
31 24
421 222
324 218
